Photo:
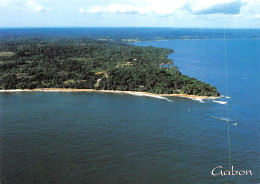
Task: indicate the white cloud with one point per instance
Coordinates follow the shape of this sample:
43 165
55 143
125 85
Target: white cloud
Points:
4 2
251 7
183 13
114 8
35 6
198 5
82 11
214 13
257 16
160 7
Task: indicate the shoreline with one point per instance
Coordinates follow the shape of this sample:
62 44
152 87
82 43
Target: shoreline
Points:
138 93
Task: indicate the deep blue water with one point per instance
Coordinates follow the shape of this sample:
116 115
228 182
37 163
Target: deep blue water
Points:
140 33
111 138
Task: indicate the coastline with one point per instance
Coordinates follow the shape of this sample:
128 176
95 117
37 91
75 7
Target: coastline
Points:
138 93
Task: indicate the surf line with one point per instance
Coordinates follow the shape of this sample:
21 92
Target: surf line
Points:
228 119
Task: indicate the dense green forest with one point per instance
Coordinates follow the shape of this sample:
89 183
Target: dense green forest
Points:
76 62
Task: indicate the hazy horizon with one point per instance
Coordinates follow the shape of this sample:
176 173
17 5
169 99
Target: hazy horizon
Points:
112 27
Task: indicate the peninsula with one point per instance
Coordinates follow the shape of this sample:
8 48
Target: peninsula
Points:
75 62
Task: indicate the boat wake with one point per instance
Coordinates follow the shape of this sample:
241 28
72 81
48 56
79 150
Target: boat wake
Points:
225 119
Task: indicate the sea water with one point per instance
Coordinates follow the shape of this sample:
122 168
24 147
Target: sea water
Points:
86 137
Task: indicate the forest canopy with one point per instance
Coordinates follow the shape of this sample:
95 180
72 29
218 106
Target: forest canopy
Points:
31 62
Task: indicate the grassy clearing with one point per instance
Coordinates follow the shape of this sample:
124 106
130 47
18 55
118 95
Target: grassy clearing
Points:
5 53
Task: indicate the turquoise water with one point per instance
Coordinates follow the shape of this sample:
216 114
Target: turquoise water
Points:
114 138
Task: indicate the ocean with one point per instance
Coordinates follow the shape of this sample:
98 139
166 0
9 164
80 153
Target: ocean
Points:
86 137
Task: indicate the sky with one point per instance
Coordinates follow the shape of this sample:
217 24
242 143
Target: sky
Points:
130 13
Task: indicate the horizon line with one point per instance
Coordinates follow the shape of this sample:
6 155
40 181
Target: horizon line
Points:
84 27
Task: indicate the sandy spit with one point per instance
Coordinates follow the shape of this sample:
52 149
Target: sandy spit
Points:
106 91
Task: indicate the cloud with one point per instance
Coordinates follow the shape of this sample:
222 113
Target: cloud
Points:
251 7
257 16
35 6
115 8
82 11
170 13
225 8
4 2
153 8
170 7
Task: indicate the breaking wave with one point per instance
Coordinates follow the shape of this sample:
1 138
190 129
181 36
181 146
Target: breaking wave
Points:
197 99
220 102
153 96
